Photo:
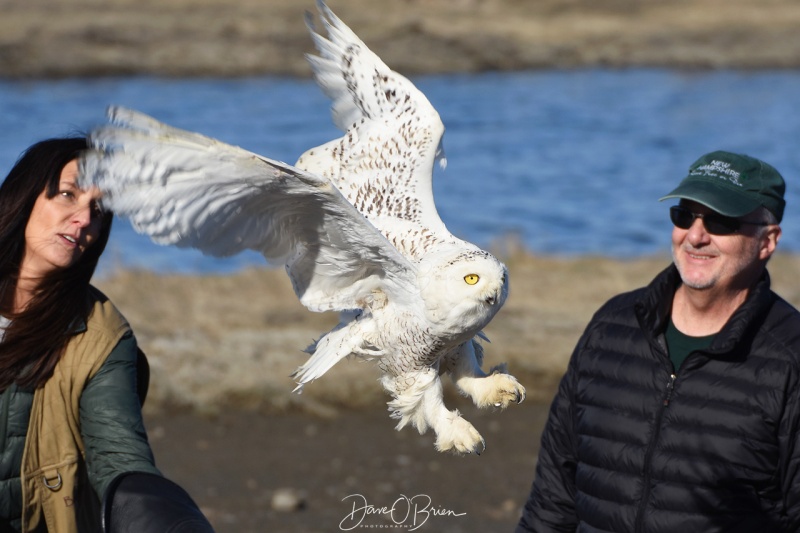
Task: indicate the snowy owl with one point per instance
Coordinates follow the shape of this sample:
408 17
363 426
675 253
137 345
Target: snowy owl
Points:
354 223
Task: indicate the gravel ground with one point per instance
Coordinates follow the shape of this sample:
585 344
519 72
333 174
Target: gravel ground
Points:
253 472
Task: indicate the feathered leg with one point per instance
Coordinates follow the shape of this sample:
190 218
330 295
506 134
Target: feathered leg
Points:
498 388
418 401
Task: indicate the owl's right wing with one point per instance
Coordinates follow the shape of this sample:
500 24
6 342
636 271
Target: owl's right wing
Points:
188 190
384 163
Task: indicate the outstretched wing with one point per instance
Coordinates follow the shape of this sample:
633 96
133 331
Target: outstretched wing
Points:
188 190
384 163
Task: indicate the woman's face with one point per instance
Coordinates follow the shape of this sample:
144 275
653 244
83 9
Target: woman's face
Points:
61 228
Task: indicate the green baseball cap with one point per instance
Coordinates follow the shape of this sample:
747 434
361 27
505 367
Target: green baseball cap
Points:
733 185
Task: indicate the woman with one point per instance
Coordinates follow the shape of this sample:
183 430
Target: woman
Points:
70 414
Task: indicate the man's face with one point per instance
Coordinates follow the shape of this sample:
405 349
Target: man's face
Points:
721 262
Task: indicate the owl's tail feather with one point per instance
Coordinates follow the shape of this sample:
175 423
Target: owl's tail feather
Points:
342 341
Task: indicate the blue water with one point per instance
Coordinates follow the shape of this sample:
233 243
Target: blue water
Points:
568 162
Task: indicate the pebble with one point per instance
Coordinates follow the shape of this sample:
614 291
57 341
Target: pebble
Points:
288 500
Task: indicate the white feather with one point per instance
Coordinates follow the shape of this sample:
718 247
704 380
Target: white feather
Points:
384 163
188 190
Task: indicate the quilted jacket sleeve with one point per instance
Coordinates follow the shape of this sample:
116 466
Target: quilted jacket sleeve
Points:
551 503
789 446
111 420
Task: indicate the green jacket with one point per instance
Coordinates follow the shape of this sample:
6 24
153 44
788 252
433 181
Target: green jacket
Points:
99 434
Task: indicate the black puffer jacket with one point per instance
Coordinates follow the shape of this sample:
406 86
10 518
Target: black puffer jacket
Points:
631 445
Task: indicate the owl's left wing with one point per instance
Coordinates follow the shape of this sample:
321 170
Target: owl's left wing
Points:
188 190
385 161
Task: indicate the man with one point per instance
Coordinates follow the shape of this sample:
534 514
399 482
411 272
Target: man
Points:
680 408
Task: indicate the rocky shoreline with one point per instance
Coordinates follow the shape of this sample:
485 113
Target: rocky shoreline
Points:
185 38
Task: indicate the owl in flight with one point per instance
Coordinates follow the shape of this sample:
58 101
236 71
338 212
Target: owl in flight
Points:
353 222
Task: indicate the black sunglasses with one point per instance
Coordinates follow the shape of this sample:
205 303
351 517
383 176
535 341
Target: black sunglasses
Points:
714 223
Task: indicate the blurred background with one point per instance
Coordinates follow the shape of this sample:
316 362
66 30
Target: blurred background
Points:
566 121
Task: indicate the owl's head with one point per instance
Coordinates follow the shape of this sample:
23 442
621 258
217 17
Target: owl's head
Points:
463 289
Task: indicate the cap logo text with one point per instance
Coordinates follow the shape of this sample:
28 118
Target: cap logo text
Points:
718 169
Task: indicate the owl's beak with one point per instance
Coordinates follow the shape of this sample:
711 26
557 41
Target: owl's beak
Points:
494 297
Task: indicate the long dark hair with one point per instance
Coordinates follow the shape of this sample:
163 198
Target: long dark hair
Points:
37 335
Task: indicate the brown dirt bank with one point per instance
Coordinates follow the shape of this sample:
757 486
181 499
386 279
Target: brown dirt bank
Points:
46 38
235 339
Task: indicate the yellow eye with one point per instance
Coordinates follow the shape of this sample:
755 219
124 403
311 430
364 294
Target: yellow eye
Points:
471 279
